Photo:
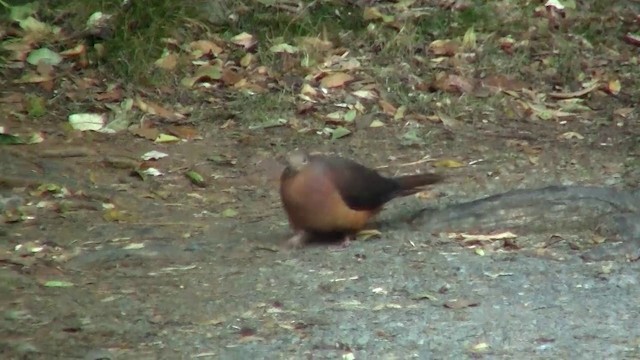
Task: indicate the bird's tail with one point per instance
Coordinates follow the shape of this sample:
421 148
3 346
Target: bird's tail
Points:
411 184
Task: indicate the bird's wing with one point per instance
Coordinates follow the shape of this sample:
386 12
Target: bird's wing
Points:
361 188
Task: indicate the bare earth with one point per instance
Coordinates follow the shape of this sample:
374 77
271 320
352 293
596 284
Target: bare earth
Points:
175 279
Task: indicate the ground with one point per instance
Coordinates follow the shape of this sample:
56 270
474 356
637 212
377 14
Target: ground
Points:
101 262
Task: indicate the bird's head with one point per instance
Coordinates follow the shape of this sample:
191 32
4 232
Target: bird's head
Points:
297 160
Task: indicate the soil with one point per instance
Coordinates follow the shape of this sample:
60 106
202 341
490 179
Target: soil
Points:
179 271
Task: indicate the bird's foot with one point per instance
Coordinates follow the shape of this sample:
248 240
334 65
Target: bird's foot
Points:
298 240
345 243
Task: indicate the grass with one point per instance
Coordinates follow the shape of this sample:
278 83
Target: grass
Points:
394 54
139 30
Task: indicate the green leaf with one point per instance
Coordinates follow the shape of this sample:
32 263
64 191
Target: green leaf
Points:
195 178
339 132
45 56
229 213
21 12
58 283
7 139
350 115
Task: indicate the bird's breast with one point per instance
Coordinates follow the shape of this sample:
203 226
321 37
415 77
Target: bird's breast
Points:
313 203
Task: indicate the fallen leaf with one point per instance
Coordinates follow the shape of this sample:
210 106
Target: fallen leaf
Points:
387 107
444 47
570 135
230 213
460 303
453 83
376 124
200 48
58 283
371 13
184 132
204 73
115 215
195 178
568 95
335 80
469 41
164 138
245 40
87 121
350 115
156 109
613 87
366 94
230 77
448 163
339 132
134 246
167 61
284 48
153 155
146 133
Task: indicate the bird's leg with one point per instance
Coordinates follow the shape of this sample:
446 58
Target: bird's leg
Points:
345 243
298 239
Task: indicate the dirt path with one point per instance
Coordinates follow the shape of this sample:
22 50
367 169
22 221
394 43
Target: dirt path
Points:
175 278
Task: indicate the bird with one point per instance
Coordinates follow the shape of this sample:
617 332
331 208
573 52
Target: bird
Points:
325 194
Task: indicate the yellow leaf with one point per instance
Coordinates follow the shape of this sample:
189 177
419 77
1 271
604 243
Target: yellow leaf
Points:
448 163
614 87
376 124
163 138
372 13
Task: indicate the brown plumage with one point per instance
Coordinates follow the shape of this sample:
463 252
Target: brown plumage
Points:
333 195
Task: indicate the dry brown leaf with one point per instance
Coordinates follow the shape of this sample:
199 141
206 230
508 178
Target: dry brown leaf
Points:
184 132
387 107
575 94
45 69
200 48
245 40
631 39
570 135
623 112
230 77
75 51
13 97
448 121
314 44
335 80
369 94
46 85
112 95
167 62
497 83
156 109
372 13
308 90
146 133
444 47
460 303
33 78
246 85
453 83
506 44
305 108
